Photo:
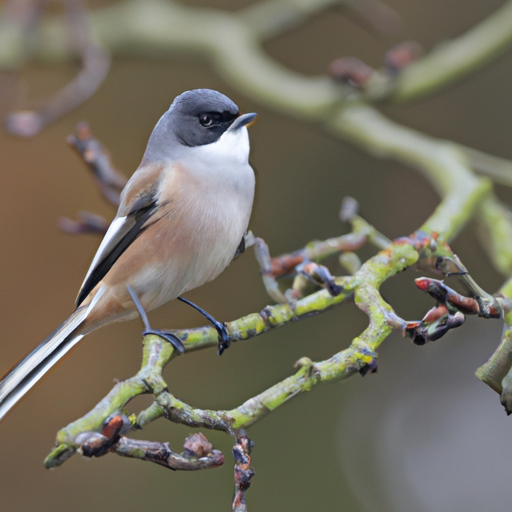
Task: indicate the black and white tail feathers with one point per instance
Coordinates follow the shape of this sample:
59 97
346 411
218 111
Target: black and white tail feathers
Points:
32 368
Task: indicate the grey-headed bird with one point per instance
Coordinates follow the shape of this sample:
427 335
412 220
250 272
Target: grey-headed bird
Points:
182 218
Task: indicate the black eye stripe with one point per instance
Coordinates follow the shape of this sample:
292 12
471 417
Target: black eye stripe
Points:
216 118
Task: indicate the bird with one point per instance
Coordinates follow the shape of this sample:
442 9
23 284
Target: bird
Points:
182 219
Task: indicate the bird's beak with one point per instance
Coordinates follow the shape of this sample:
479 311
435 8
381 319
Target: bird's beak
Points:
243 120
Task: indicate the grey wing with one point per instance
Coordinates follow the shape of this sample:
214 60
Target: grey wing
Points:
121 233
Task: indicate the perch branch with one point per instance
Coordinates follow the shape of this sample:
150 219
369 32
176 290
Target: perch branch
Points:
359 357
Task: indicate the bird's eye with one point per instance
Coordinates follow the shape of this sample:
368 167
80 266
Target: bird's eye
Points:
208 119
205 120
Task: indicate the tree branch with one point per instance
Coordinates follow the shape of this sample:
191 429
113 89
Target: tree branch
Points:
455 59
158 26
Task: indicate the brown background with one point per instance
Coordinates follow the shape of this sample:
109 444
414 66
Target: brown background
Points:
422 434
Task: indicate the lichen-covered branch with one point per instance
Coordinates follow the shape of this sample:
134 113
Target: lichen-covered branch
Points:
359 357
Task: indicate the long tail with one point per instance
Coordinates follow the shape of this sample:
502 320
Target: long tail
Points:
30 369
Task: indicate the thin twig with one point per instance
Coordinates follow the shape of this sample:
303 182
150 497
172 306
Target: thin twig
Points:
243 472
202 456
108 179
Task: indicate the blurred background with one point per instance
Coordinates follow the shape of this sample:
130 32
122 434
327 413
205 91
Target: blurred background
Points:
423 434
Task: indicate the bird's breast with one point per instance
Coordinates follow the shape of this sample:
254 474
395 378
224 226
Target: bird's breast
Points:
199 231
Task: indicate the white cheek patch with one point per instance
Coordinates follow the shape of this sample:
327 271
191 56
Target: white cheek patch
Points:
231 148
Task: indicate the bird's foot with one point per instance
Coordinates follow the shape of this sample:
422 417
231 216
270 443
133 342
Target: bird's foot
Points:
224 340
167 336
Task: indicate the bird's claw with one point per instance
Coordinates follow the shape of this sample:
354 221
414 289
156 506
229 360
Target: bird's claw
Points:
224 339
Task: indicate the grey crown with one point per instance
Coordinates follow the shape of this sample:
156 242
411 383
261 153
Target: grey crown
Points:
181 124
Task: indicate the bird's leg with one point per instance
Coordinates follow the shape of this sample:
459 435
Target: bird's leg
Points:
224 340
166 335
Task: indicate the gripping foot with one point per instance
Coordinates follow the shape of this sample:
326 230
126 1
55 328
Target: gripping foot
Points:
166 335
223 335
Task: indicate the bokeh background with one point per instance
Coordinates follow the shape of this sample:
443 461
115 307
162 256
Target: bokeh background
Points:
423 434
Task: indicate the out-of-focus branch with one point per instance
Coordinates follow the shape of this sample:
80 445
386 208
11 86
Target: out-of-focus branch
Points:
158 26
443 165
87 223
94 58
270 18
455 59
494 221
95 64
498 169
107 178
